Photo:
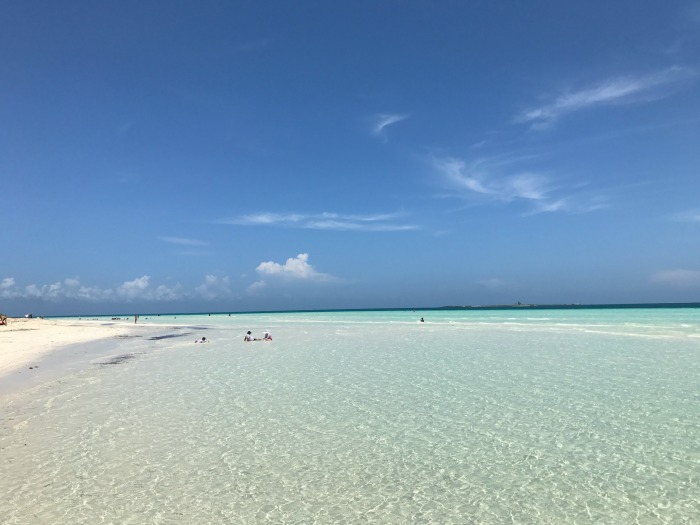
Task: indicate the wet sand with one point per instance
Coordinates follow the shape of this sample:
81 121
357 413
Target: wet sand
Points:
33 350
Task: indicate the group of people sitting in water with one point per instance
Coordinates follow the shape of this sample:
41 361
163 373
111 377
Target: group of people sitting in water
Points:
249 336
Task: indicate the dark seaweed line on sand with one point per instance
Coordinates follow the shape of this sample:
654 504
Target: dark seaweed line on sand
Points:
152 338
167 336
126 357
117 359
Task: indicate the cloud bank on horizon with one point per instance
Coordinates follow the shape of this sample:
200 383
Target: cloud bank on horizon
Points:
294 269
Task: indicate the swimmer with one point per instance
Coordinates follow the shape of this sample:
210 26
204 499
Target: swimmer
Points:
203 340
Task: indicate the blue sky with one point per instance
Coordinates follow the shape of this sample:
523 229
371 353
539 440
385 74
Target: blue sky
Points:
233 156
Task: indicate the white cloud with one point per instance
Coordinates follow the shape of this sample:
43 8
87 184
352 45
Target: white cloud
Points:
294 268
677 278
69 288
94 293
382 120
214 287
140 289
7 289
32 291
256 287
386 222
167 293
615 91
134 289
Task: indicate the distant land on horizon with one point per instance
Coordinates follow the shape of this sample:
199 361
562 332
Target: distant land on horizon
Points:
516 306
568 306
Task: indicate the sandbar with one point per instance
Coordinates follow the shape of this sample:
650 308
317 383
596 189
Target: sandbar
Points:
25 342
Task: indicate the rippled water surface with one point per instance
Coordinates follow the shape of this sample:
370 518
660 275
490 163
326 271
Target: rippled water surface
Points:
540 417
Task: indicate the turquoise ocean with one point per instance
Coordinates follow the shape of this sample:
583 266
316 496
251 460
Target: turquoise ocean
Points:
522 416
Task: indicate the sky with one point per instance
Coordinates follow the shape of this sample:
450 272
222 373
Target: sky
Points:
225 156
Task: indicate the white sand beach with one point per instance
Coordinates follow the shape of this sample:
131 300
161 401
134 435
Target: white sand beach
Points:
24 341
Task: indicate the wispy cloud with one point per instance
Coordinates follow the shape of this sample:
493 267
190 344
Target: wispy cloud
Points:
485 179
623 90
687 216
478 179
494 283
680 278
182 241
382 120
385 222
694 13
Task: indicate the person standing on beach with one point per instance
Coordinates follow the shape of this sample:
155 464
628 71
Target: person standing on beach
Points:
136 318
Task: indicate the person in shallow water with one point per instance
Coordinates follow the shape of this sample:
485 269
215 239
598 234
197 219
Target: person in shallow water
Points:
203 340
249 336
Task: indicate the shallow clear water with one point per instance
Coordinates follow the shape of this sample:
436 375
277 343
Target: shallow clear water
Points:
557 417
